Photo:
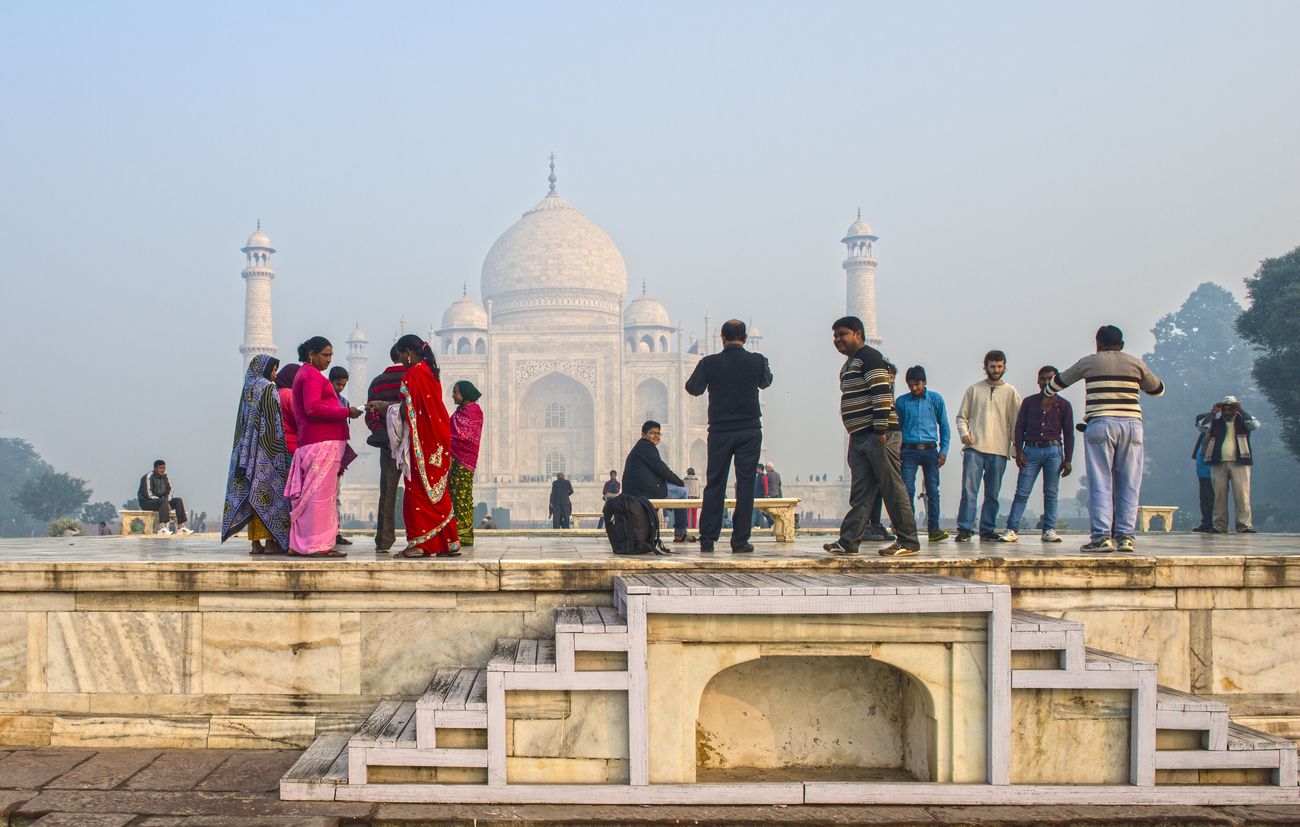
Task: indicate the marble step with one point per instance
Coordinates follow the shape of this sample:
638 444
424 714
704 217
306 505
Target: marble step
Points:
589 620
455 688
1096 660
388 738
522 655
1182 710
391 724
1031 632
1101 670
1246 749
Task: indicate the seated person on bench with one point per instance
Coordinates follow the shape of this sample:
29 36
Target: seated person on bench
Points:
155 494
645 474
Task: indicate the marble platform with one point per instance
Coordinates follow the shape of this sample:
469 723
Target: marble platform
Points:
184 642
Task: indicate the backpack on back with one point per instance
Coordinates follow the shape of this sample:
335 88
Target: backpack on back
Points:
632 525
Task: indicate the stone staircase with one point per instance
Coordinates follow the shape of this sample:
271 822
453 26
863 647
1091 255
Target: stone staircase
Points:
456 730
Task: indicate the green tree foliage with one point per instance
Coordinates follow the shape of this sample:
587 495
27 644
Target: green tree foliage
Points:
1271 325
52 495
1201 358
101 512
19 463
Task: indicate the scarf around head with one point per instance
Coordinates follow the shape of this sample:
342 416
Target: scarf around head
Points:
467 391
259 461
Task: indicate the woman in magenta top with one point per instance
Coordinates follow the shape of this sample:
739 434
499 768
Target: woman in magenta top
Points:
284 387
466 431
322 427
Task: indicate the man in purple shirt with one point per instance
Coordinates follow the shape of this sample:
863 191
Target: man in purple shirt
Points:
1044 441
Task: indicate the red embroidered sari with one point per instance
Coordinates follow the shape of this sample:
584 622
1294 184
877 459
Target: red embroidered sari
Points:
427 504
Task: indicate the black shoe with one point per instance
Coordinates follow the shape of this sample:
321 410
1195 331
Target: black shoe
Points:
745 549
990 536
340 540
1203 529
963 536
1247 531
706 547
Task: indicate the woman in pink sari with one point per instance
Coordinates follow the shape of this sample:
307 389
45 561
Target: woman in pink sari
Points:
317 463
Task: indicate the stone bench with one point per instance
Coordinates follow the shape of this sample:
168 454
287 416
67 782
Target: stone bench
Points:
148 518
780 509
1165 512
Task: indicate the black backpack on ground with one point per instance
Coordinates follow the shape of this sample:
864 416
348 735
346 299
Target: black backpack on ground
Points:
632 525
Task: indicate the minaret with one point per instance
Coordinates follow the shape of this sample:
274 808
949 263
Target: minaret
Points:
860 265
358 380
257 297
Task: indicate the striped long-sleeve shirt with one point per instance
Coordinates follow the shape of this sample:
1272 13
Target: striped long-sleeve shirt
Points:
866 394
1114 381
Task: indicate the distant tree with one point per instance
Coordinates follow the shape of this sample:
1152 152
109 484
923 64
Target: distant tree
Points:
101 512
19 462
52 495
1270 325
1201 358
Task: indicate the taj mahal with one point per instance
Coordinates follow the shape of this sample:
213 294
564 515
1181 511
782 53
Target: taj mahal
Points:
569 369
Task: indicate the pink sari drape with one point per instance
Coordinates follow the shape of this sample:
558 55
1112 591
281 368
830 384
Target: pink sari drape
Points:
312 490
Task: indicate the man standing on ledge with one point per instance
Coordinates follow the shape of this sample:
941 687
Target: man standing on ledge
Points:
986 423
733 377
923 418
867 410
1112 441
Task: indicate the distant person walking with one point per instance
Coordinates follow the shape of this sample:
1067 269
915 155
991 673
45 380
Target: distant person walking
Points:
259 464
385 388
760 491
313 483
608 492
466 432
867 411
1204 480
561 504
1044 441
645 474
732 377
1113 437
923 421
986 423
155 494
1227 430
694 490
284 388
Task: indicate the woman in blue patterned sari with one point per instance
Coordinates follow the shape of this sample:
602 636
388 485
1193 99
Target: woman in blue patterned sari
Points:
259 464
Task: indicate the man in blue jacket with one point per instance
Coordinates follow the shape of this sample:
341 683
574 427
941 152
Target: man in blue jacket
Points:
923 418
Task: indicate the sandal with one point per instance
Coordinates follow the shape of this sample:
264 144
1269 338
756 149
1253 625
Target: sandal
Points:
410 553
330 553
446 554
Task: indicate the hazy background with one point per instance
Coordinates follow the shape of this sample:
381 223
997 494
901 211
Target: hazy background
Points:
1032 170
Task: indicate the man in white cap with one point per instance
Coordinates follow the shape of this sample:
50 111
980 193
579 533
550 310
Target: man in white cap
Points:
1227 430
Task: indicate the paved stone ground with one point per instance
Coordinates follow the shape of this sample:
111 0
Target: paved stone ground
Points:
54 787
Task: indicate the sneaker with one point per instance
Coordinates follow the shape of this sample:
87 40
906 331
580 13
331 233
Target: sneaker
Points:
184 530
936 536
839 548
1050 536
1203 529
706 547
1007 536
165 530
747 548
990 536
877 532
1247 531
1126 544
1102 545
963 536
897 550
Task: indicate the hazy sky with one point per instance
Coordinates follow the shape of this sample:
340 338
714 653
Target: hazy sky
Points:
1032 170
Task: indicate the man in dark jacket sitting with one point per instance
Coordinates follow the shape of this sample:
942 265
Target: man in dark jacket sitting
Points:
155 494
645 474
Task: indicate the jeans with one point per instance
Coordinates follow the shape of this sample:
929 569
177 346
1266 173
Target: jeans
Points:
1206 491
1113 447
927 459
977 467
875 470
726 448
1047 459
678 492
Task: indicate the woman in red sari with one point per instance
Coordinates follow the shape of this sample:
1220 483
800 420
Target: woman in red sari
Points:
427 507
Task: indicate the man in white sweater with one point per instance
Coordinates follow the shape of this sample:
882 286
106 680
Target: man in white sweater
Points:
986 423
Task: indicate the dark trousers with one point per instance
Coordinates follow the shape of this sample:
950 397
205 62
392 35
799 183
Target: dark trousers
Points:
1207 502
560 515
385 518
926 459
740 448
165 509
875 467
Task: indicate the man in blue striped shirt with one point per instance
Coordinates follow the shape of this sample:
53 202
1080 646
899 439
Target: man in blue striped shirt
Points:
923 419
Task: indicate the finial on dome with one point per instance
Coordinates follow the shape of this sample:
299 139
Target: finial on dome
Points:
643 287
859 213
464 289
259 223
551 177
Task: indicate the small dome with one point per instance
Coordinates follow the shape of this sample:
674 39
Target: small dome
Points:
259 239
646 312
753 332
464 313
859 227
358 335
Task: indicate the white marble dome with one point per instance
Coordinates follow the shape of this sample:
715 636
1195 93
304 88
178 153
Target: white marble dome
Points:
258 239
358 335
465 313
859 227
554 259
646 312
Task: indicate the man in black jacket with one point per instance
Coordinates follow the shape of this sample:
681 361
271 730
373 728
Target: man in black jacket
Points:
645 474
733 378
155 494
561 501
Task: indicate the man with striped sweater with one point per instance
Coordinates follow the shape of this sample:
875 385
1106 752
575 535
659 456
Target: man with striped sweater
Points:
867 410
1114 381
